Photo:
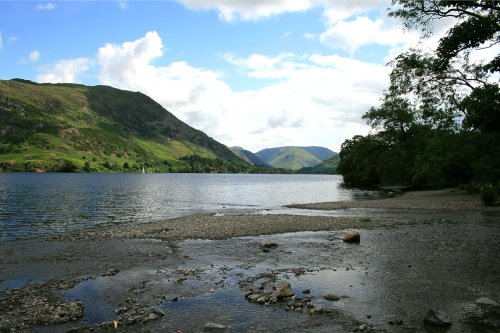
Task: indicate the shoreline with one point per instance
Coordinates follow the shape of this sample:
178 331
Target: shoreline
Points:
199 268
218 226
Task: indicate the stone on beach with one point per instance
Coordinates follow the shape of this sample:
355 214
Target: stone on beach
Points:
283 289
486 301
211 327
351 237
437 318
331 297
267 245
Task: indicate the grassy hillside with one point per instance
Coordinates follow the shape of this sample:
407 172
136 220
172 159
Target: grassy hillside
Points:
295 157
328 167
248 156
68 127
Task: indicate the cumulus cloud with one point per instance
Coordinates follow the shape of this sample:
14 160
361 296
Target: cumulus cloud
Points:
318 98
34 56
47 6
313 93
230 10
351 35
64 71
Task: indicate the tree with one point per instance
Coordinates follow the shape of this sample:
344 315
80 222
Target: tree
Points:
441 83
438 123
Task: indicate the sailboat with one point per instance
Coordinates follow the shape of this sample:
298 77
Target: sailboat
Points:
143 170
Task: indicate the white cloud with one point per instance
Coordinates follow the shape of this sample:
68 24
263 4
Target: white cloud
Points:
34 56
64 71
312 95
47 6
230 10
351 35
317 100
309 35
123 4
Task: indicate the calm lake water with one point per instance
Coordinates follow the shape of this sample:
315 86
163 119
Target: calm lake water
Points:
34 204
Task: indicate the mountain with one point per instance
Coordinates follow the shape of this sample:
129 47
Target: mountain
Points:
248 156
295 157
328 167
71 127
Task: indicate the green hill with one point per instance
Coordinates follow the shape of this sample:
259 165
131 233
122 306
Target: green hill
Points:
328 167
295 157
69 127
248 156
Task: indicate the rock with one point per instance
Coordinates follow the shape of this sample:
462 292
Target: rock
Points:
307 291
261 300
111 272
152 316
283 289
331 297
486 301
248 293
437 318
213 327
120 309
267 244
394 320
352 237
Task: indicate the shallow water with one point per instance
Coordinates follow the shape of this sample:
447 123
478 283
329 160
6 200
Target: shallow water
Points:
36 204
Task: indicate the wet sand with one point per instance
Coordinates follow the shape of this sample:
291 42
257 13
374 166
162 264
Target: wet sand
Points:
421 250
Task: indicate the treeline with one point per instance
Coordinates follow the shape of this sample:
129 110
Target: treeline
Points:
185 164
439 121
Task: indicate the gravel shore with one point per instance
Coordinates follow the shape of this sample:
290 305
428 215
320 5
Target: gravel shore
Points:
221 226
418 250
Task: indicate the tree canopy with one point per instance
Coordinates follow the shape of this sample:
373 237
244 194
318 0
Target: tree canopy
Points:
438 123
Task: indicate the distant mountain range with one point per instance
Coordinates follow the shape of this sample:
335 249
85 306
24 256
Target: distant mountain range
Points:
248 156
295 158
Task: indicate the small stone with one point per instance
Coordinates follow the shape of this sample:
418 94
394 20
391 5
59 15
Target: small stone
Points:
261 300
283 289
352 237
307 291
111 272
248 293
331 297
394 320
152 316
437 318
486 301
267 244
211 327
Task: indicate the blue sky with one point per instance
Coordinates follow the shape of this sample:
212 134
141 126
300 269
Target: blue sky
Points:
255 74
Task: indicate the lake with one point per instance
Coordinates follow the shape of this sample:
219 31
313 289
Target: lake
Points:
33 204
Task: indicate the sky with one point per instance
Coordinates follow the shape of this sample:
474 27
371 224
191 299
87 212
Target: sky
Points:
249 73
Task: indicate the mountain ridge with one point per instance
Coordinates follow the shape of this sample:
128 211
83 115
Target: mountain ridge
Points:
295 157
65 127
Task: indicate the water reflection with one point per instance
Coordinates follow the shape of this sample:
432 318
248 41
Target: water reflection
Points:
33 204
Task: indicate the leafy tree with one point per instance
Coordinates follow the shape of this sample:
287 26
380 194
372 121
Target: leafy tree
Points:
433 123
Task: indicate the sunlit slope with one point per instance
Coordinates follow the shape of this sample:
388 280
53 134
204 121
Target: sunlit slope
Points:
295 157
53 127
